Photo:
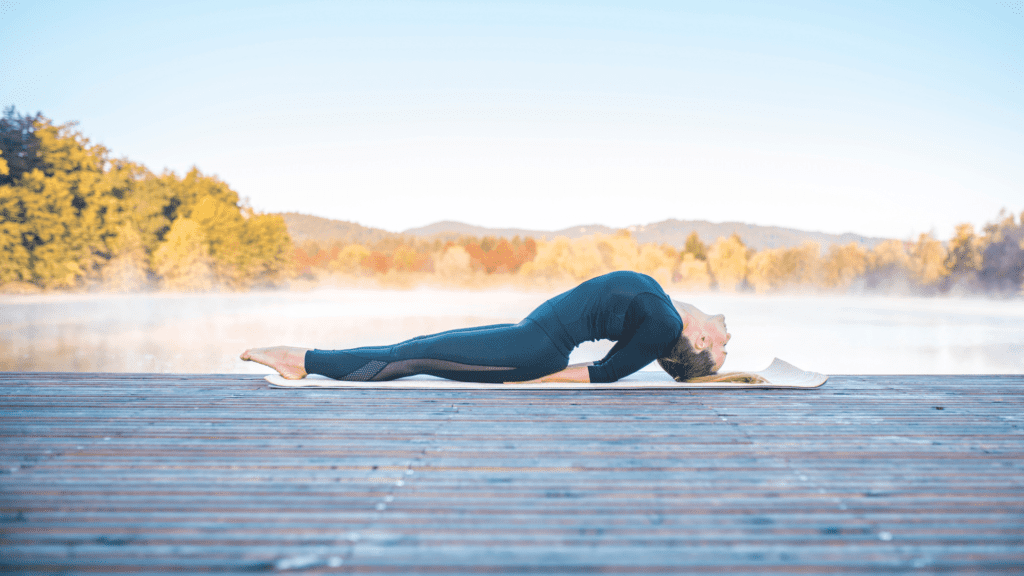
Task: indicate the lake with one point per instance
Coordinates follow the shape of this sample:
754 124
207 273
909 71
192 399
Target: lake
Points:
204 333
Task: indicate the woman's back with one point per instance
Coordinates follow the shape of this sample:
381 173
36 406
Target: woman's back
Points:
597 308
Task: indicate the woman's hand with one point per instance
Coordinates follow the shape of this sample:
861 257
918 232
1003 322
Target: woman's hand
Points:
575 373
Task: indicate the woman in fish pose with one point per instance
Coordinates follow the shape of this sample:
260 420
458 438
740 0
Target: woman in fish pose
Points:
629 308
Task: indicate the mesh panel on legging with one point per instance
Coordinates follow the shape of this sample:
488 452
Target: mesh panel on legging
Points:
496 353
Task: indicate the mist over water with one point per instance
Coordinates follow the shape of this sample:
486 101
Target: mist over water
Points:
205 333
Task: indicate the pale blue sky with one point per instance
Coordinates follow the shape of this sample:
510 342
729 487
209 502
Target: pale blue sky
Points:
883 118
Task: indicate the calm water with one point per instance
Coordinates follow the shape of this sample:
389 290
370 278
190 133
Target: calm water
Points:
205 333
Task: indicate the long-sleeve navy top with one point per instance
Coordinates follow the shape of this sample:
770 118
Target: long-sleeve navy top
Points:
627 307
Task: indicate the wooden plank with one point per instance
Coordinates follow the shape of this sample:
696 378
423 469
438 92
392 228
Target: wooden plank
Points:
185 473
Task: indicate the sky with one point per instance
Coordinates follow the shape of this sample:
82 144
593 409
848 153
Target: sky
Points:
883 118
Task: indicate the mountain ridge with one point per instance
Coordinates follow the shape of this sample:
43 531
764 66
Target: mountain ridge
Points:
673 232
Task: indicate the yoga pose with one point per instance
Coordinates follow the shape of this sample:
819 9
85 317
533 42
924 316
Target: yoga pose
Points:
627 307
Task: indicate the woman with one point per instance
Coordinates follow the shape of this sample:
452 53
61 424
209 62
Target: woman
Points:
627 307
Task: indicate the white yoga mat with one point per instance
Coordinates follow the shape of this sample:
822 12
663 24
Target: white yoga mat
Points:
779 374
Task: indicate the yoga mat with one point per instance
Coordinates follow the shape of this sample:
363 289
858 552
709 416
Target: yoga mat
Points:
779 374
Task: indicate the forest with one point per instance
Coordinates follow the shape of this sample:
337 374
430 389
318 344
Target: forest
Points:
75 218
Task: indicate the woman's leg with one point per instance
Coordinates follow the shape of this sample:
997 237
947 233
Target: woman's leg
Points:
456 330
496 353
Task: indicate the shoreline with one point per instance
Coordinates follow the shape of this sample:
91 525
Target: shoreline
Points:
77 296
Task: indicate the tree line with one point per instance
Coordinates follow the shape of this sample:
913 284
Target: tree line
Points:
74 217
990 262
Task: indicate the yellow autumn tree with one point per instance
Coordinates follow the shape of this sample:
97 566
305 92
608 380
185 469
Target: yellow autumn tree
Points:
182 260
243 248
888 255
57 255
72 216
658 262
350 259
695 247
766 271
928 261
963 260
1002 250
583 261
618 251
888 267
14 256
843 265
727 260
563 259
454 264
266 256
222 226
59 208
157 202
804 264
693 273
126 271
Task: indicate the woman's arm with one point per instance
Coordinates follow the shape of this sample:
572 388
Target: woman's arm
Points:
574 373
652 328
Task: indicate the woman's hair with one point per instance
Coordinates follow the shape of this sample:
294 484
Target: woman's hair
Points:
684 363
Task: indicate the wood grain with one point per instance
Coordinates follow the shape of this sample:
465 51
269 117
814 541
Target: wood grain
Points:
162 473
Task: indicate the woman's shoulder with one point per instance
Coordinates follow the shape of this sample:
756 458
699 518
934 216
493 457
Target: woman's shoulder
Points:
657 307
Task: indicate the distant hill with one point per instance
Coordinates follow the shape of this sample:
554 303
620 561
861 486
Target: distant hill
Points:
672 232
450 230
303 227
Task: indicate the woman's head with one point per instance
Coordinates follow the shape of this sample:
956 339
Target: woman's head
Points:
700 349
684 363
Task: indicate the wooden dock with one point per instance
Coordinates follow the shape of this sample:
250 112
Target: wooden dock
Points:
105 473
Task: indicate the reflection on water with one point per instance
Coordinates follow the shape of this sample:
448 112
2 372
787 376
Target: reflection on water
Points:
205 333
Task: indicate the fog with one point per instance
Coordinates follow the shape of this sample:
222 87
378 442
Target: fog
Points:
205 333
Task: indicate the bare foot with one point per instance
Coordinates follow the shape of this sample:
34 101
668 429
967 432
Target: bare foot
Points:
289 361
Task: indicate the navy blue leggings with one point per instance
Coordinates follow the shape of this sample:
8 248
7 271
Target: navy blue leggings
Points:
495 353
